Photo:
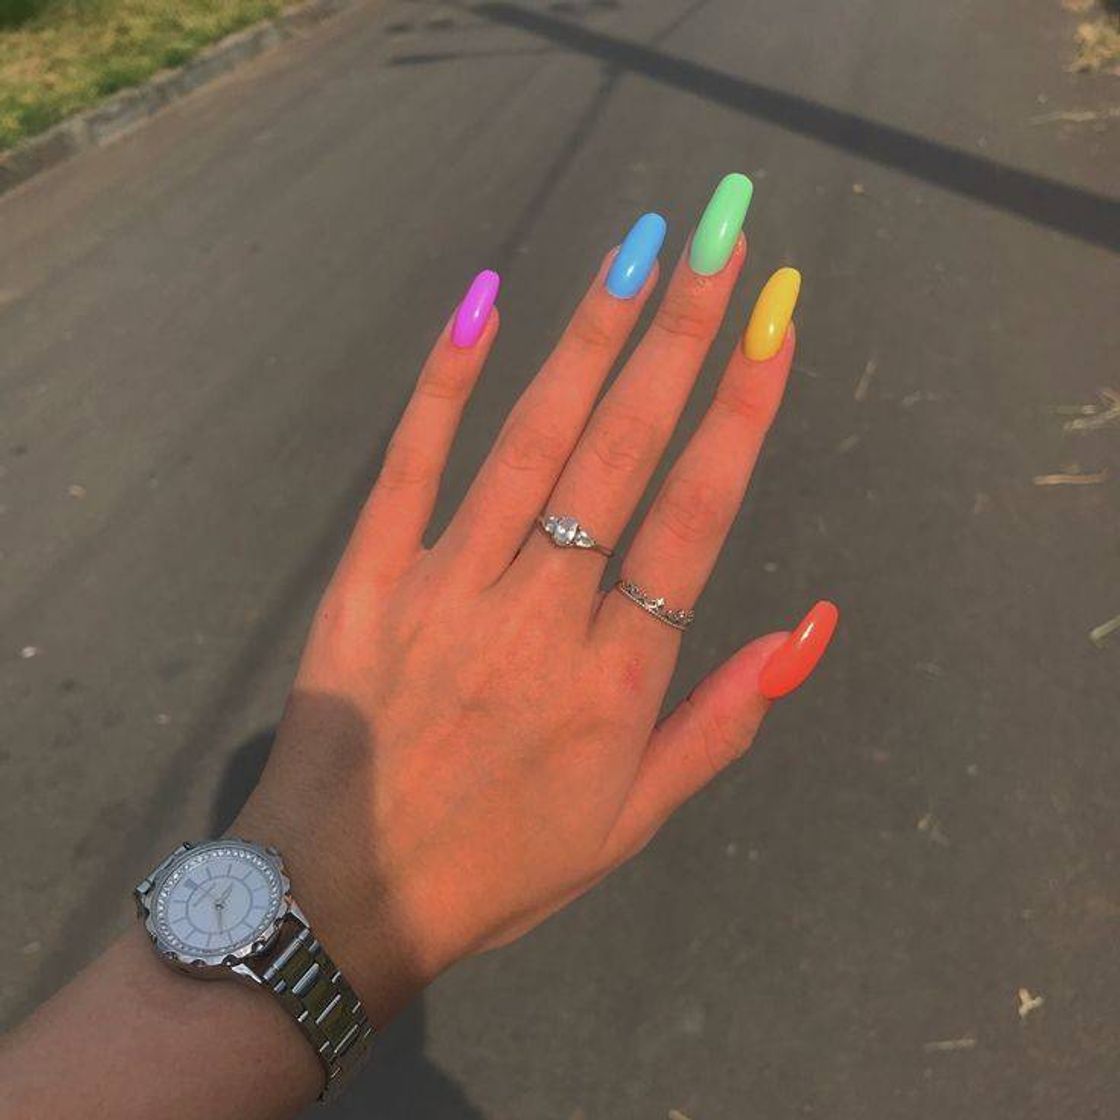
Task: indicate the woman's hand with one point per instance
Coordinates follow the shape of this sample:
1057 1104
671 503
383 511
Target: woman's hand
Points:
472 737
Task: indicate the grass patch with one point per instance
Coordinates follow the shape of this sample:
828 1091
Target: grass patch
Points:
59 56
1098 39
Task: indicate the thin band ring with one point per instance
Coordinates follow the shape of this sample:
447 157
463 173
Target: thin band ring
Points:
567 532
677 619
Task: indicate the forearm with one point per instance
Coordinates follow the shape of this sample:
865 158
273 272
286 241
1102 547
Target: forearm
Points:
131 1038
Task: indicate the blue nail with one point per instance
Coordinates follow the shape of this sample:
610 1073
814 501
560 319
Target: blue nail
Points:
636 256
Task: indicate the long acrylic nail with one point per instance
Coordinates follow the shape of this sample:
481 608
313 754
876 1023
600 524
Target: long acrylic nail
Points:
771 315
793 661
474 311
719 226
636 256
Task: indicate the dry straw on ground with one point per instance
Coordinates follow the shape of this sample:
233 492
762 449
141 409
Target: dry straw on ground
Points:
1097 39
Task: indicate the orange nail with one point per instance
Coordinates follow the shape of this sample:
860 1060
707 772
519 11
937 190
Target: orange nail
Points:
791 664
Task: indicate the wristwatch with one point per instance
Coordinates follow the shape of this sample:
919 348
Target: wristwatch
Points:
224 908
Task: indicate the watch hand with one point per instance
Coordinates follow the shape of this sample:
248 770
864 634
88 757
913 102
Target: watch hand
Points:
224 895
199 897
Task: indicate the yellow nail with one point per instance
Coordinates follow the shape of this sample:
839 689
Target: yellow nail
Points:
771 315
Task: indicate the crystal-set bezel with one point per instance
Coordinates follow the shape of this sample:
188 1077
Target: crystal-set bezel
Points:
154 903
678 618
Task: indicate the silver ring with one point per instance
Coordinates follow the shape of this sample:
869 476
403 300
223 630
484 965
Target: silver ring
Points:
677 619
567 532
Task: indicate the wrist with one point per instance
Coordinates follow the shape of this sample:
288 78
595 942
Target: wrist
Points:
373 951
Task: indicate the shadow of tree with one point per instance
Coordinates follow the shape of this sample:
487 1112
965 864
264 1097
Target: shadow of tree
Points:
399 1081
16 12
1057 205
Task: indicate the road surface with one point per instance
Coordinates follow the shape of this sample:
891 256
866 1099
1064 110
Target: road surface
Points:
208 328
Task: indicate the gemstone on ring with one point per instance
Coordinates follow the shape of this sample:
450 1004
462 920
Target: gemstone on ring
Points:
563 530
566 532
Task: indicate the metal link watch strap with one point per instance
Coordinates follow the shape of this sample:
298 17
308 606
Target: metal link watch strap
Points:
297 970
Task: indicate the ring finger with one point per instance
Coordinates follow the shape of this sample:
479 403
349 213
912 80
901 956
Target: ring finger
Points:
677 545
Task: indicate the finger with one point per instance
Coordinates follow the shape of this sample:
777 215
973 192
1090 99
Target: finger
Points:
540 432
390 529
677 545
618 452
717 723
706 732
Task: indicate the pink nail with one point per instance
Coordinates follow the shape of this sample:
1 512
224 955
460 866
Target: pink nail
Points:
474 311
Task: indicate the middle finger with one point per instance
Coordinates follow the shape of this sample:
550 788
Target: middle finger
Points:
605 477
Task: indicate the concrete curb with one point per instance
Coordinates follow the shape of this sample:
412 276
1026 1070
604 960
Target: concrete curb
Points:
107 120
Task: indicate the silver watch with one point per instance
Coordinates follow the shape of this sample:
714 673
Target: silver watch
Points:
225 908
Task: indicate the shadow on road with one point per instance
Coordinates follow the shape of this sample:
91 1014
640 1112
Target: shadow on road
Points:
1083 214
398 1082
300 588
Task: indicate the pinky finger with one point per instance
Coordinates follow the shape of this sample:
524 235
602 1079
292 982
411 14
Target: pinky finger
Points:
390 530
717 723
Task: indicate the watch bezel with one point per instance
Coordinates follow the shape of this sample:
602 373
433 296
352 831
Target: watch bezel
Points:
216 964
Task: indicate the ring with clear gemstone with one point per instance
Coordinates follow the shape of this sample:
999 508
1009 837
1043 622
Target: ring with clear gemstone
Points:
567 532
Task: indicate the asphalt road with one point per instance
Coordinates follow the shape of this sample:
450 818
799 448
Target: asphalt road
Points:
208 328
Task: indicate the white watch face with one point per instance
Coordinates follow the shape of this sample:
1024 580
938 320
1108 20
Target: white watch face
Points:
217 899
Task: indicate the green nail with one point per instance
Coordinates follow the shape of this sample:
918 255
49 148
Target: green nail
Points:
715 236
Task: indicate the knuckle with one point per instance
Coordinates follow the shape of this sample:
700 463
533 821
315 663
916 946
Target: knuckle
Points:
719 735
745 401
624 675
686 318
624 441
689 509
406 465
343 621
528 446
451 380
590 330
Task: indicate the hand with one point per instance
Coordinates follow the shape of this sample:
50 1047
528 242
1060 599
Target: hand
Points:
472 740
